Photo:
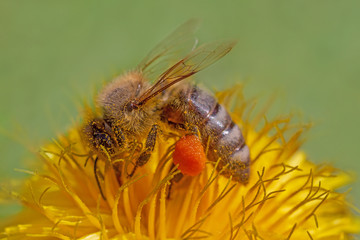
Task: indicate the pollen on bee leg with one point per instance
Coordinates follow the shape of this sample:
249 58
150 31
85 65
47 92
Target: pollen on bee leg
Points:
190 156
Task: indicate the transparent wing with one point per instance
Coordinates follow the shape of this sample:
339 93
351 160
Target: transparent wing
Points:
171 49
194 62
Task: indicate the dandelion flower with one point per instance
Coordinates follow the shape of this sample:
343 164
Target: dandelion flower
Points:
287 196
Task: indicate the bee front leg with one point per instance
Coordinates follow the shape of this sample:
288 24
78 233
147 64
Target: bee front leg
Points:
97 178
149 148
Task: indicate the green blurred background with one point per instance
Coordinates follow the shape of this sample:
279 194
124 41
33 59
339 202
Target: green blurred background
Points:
53 53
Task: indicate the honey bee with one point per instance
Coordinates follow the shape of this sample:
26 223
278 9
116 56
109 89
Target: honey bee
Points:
132 107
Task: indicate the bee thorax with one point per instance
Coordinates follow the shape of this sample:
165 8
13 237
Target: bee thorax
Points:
138 122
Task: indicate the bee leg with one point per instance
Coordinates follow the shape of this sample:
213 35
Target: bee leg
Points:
149 148
174 180
117 166
190 129
193 130
97 178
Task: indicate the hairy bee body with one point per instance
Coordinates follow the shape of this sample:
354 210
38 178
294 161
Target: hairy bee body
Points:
194 106
134 105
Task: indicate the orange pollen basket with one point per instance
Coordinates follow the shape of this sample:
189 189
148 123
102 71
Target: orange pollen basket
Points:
189 154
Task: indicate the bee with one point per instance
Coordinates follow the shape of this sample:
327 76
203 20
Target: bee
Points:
132 107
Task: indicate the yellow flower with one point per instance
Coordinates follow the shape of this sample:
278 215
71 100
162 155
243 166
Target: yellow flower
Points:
287 197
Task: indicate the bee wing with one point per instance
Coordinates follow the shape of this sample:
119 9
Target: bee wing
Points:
173 47
194 62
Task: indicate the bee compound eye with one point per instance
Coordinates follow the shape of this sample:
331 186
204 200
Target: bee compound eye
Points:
103 140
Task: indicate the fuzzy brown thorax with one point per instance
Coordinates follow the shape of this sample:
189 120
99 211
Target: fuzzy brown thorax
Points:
116 100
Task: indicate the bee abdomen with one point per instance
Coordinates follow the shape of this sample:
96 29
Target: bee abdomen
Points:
210 116
230 138
234 153
226 139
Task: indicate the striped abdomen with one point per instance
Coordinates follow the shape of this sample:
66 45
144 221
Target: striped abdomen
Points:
198 107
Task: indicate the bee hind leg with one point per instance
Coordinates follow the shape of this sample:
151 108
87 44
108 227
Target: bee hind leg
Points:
175 179
149 148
